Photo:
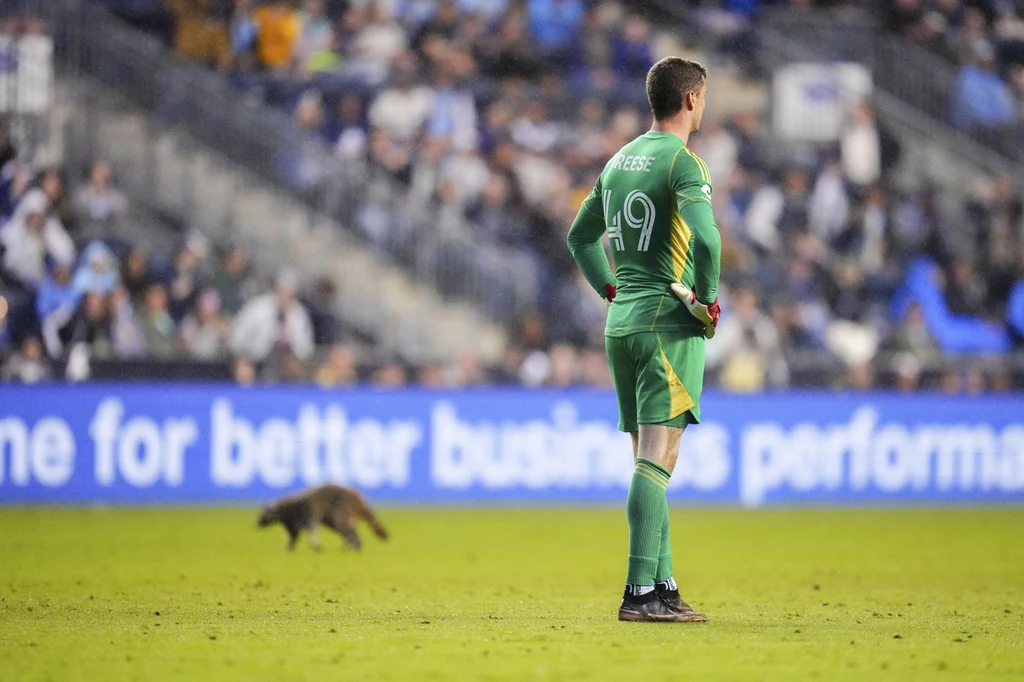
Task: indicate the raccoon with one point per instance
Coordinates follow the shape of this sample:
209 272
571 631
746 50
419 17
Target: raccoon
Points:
334 506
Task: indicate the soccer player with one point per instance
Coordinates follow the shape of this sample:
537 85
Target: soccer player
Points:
654 200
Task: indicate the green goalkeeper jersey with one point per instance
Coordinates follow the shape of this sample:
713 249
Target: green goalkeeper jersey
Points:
654 200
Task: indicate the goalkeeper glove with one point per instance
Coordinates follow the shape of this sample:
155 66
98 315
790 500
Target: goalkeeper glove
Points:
707 314
609 292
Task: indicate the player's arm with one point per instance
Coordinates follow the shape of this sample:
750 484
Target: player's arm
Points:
692 186
586 247
705 248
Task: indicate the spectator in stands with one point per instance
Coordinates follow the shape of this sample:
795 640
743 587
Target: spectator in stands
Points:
339 369
998 220
243 371
186 279
391 374
98 206
553 23
15 180
443 24
594 368
274 321
244 34
631 53
56 305
861 147
533 130
304 166
761 228
907 17
858 377
564 370
379 43
51 181
309 112
912 337
157 324
127 336
828 209
966 292
578 315
401 110
204 331
509 52
347 130
430 375
746 351
199 34
279 30
465 370
453 112
31 237
27 366
92 326
907 371
970 36
981 98
230 279
284 367
865 241
322 304
314 47
135 274
97 270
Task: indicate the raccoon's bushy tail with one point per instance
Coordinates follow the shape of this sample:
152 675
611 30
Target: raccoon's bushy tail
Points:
371 518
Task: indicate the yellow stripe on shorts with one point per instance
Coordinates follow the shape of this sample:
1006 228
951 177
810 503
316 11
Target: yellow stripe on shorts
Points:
679 399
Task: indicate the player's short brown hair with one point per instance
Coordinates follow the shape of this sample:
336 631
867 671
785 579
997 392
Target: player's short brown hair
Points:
668 81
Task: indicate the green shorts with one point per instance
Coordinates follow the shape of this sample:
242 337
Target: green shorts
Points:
658 377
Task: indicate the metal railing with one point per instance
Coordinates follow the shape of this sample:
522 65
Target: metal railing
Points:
905 75
929 83
92 45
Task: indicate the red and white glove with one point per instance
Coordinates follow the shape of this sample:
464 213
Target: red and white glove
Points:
609 292
706 314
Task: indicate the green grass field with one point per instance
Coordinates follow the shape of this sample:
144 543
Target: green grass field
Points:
158 594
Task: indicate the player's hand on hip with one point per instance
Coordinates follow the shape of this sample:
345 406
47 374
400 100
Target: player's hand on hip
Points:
707 314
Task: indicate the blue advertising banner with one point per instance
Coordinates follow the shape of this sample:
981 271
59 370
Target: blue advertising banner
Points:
180 443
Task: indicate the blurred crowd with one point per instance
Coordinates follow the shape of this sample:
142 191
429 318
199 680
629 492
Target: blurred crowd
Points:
74 290
985 40
497 116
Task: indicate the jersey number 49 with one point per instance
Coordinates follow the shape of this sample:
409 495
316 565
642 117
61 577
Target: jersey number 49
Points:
639 218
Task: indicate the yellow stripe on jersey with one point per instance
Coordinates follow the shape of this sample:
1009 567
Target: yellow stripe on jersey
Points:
705 174
673 166
707 171
679 245
679 399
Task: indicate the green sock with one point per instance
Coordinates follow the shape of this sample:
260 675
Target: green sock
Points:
664 571
646 511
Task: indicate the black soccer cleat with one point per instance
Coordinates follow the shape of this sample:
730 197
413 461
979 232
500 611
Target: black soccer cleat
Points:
652 608
674 601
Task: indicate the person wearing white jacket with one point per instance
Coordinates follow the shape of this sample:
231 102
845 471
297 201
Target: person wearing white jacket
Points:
275 321
31 236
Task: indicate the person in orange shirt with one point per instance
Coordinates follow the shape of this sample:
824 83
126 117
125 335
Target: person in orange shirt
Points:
198 33
279 27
